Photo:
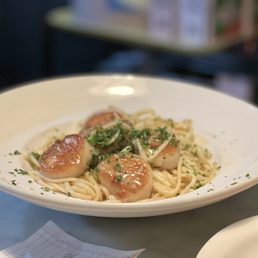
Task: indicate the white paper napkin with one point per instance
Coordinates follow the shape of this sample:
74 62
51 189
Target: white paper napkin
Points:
52 241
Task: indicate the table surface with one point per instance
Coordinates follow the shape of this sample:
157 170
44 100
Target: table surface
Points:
180 235
124 31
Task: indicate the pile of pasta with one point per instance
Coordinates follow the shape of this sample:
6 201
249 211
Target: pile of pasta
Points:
195 167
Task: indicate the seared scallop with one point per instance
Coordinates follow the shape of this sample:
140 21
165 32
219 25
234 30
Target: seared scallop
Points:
167 158
159 147
66 158
127 177
103 118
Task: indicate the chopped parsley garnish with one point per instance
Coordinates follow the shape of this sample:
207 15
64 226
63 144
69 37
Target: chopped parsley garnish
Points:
120 140
103 136
173 141
18 171
16 152
22 172
147 135
118 178
13 182
118 167
143 135
35 155
110 140
96 158
140 133
162 134
198 185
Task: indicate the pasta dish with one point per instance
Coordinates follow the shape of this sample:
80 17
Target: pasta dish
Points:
120 157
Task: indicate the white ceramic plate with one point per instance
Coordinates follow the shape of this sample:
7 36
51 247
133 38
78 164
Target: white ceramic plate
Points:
237 240
228 125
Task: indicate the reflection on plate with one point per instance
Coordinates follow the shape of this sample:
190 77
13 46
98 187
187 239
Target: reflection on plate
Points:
238 240
228 125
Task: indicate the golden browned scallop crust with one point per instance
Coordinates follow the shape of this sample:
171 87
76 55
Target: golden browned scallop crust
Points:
128 177
65 158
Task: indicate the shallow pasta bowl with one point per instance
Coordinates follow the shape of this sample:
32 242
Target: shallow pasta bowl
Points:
228 126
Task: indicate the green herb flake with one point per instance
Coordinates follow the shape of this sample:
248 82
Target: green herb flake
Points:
143 135
46 189
117 167
22 172
13 182
118 178
35 155
102 136
198 185
16 152
162 134
96 159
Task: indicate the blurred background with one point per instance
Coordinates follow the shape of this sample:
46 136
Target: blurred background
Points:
212 42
